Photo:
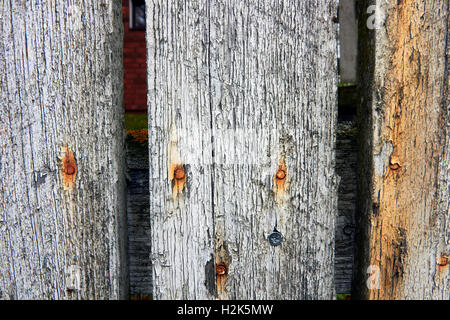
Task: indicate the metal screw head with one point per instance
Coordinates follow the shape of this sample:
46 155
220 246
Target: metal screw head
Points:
275 238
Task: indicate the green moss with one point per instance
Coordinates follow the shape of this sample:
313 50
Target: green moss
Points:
343 296
136 121
346 84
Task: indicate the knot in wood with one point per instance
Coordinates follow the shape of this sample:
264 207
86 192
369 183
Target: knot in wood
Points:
394 163
221 269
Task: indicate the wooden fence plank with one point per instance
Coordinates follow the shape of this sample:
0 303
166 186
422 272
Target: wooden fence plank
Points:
62 181
243 96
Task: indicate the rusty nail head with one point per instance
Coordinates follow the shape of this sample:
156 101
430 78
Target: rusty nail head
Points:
443 261
179 173
394 166
275 238
281 174
221 269
69 168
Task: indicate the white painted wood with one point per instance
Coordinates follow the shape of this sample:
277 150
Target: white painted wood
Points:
61 89
248 86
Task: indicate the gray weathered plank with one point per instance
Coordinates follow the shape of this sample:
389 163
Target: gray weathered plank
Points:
179 122
61 231
273 87
139 217
259 81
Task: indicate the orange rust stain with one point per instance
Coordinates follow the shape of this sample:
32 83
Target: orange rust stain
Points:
221 269
221 277
442 263
408 108
140 135
177 175
280 177
68 169
222 261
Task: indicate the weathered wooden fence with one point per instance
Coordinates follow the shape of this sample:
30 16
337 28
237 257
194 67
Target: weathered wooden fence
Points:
139 236
242 117
62 181
247 190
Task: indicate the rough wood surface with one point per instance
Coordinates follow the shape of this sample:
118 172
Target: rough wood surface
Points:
239 91
62 182
139 237
404 187
179 124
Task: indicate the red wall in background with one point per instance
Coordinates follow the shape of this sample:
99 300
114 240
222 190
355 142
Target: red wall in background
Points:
134 64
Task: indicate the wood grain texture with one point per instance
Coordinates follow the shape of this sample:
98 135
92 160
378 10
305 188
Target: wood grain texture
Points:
273 82
238 90
404 190
61 97
182 226
139 236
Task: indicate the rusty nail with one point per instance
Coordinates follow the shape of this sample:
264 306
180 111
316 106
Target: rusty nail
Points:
69 168
179 173
443 261
394 166
281 174
275 238
221 269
